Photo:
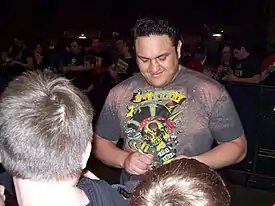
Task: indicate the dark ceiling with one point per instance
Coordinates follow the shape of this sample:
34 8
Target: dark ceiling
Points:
45 15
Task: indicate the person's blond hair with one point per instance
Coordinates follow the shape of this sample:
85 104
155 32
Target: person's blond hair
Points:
45 127
184 182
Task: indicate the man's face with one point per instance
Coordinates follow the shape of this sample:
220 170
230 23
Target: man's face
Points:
238 53
88 65
98 61
119 45
157 59
95 44
74 48
38 49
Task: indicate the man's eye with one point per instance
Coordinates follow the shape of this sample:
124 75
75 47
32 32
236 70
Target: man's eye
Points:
162 58
145 60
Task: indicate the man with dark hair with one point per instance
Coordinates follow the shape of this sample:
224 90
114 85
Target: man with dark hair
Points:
247 68
167 111
184 182
96 44
76 68
74 59
46 130
124 63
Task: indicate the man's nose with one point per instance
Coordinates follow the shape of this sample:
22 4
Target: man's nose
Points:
154 66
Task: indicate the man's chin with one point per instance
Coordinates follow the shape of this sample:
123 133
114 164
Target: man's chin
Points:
157 84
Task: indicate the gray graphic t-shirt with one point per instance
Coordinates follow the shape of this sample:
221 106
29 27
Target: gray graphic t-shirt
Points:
183 118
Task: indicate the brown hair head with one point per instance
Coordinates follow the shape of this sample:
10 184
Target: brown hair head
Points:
184 182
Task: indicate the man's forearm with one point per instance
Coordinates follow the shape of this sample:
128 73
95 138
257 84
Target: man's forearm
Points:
27 66
79 68
223 155
253 80
109 153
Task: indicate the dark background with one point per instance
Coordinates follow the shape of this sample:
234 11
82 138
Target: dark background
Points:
52 17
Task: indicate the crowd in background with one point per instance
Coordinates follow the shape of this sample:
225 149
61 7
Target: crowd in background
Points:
96 65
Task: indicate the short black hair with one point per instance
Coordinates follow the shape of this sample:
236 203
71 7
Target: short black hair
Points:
239 43
122 38
74 40
96 38
155 26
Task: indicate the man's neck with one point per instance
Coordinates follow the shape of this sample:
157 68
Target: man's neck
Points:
127 55
32 193
246 55
177 73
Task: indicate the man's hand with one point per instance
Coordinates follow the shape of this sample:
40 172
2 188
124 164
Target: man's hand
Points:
231 77
14 62
137 163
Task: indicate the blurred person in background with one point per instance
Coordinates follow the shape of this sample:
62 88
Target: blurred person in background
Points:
247 67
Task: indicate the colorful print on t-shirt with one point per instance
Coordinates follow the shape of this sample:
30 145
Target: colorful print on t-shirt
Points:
151 126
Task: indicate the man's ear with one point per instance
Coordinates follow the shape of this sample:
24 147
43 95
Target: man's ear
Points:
86 155
179 48
242 49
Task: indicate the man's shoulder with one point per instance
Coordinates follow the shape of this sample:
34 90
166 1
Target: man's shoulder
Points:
202 88
252 60
128 85
135 79
99 192
85 182
197 80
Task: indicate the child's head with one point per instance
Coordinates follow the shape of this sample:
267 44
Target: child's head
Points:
46 128
184 182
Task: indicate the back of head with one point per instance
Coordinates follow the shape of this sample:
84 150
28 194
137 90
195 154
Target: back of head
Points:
45 127
150 26
184 182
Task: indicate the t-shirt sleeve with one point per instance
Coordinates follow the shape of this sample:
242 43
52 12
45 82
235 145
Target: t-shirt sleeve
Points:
101 193
108 126
224 122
